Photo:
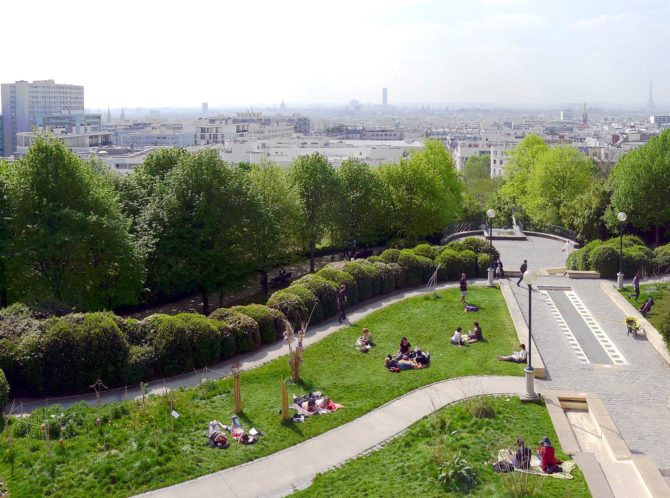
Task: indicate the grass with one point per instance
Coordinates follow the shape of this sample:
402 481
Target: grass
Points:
409 464
131 450
661 295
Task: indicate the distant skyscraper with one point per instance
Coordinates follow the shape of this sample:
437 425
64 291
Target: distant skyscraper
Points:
24 104
205 109
385 97
108 119
585 116
650 102
282 106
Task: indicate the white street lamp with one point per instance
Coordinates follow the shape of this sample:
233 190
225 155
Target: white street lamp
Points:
530 277
622 217
491 213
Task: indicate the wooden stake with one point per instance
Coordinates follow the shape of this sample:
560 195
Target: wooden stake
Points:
236 388
284 402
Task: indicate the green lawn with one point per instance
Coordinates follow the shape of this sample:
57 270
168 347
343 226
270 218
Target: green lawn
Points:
661 295
407 465
132 451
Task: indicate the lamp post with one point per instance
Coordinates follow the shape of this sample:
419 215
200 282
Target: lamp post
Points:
529 277
622 217
491 213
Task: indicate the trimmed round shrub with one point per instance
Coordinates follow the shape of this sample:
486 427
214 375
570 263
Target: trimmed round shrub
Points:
4 389
484 262
479 246
340 277
583 258
290 305
375 277
228 339
204 338
141 362
80 349
571 262
637 258
131 329
373 259
7 353
470 260
245 329
363 279
399 274
413 267
27 373
455 246
387 278
309 299
325 291
605 261
167 334
390 255
270 321
662 259
425 250
451 265
17 320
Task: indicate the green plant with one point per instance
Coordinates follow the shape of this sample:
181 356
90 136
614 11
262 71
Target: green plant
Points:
390 255
662 259
340 277
270 321
309 300
141 362
470 260
399 275
416 268
484 262
4 389
245 329
425 250
290 305
167 334
363 279
480 407
605 260
451 265
203 337
324 290
457 474
387 277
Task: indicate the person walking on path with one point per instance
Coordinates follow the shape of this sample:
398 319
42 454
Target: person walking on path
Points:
523 269
342 302
464 288
500 273
636 285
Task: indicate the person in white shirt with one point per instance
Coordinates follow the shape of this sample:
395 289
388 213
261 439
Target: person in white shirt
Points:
457 339
517 357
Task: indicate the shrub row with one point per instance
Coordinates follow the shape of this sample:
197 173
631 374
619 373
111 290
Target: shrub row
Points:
603 257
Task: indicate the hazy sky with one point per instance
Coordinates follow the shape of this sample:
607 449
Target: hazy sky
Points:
152 53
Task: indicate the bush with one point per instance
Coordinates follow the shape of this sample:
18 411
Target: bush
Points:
664 329
415 267
167 334
131 329
27 373
399 275
324 290
637 258
290 305
456 474
375 277
270 321
363 279
387 277
245 330
455 246
470 261
203 337
662 259
390 255
484 262
480 246
340 277
309 300
16 311
452 265
425 250
605 260
141 362
228 339
4 389
17 320
373 259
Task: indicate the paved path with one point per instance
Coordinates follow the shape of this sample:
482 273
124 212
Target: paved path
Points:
281 473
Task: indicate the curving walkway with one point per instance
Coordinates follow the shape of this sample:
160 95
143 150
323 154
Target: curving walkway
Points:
294 468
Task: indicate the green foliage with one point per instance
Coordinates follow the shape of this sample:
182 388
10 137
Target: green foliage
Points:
470 260
4 389
605 260
245 329
325 291
141 363
399 274
413 267
203 337
484 262
452 264
478 246
340 277
270 321
363 279
167 334
637 259
664 329
27 374
375 276
480 407
662 259
309 301
457 474
387 277
290 305
390 255
426 250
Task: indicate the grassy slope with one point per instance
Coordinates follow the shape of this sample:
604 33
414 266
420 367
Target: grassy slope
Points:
406 465
137 451
661 295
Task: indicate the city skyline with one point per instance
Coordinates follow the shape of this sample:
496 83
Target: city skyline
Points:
510 52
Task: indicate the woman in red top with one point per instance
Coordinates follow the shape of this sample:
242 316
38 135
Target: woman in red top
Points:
548 461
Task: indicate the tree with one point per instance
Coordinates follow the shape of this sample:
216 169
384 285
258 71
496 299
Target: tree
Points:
586 213
479 186
5 235
313 179
519 166
641 185
70 240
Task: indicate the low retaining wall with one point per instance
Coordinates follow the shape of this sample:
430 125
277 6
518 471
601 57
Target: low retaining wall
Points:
577 274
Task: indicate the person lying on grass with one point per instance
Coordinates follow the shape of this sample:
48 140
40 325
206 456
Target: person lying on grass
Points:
313 403
239 434
517 357
403 364
364 342
217 438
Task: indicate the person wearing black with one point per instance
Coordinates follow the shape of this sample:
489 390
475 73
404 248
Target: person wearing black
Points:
342 302
464 288
523 269
405 348
522 456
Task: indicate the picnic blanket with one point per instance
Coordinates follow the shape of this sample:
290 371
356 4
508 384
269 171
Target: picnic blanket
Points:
332 406
535 469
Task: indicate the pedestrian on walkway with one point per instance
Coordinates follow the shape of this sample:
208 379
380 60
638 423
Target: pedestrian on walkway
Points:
636 285
523 269
342 302
500 273
464 288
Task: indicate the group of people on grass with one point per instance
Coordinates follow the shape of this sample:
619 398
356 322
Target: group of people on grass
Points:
460 339
217 437
521 458
407 358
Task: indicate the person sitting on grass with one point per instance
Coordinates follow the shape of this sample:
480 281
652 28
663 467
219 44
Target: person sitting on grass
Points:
364 342
548 461
646 307
405 348
457 339
421 358
517 357
475 335
521 459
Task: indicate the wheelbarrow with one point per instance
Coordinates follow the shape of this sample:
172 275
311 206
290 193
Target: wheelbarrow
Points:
633 324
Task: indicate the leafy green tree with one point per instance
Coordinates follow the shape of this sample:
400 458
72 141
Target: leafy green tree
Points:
313 179
5 235
558 177
641 185
519 166
70 240
585 214
479 186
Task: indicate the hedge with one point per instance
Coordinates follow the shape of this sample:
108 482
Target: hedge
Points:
470 261
399 275
131 329
425 250
390 255
638 259
4 389
290 305
245 330
27 375
204 338
340 277
480 246
167 334
309 300
484 262
363 279
605 260
664 329
324 290
451 265
375 277
662 259
270 321
228 339
387 277
455 246
413 267
141 363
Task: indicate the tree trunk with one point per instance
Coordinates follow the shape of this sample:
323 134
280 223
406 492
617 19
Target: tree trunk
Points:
312 249
205 304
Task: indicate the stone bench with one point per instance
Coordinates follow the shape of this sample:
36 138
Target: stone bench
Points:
583 274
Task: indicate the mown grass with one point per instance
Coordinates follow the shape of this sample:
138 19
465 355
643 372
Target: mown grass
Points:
661 295
409 464
133 449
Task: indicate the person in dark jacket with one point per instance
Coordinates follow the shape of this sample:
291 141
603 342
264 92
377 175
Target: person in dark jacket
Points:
523 269
342 302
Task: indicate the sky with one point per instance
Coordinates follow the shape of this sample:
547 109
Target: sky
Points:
152 53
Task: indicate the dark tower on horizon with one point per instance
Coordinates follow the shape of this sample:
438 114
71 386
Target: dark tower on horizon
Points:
650 102
585 116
